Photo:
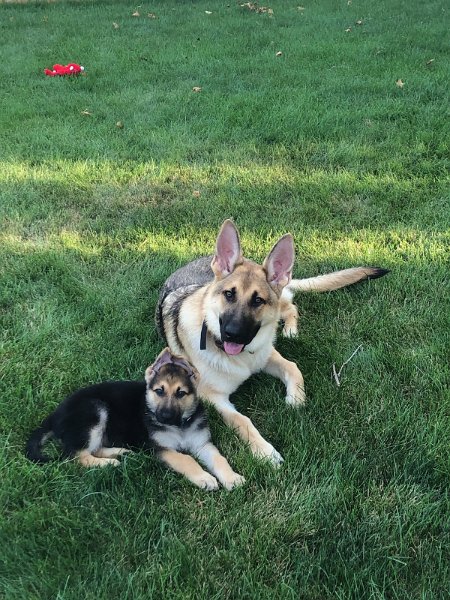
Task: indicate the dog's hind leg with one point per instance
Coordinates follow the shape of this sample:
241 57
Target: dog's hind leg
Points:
89 460
219 466
94 454
289 316
244 428
291 376
110 452
187 466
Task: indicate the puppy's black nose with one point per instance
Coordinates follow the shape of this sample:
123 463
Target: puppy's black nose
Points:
167 416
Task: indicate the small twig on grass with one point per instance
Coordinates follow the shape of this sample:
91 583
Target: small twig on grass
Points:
337 374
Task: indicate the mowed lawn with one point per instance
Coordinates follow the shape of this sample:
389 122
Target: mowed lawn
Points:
329 120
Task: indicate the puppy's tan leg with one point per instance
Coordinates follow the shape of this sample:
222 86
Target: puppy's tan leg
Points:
110 452
219 466
291 376
88 460
244 428
289 314
187 466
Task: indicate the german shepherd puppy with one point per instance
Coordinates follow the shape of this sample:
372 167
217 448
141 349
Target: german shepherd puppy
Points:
221 312
98 423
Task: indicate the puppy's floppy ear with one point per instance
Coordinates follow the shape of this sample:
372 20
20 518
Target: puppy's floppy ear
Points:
195 377
187 366
163 358
228 250
279 263
149 374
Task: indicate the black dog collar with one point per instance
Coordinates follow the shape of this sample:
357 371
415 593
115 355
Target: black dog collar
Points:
203 333
203 336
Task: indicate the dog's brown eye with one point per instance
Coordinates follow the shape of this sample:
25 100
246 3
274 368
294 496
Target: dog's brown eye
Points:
159 391
180 394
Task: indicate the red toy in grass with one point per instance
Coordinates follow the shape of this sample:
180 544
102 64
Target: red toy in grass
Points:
70 69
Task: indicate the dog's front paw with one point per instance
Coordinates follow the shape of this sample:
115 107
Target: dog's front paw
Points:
270 454
234 481
276 459
298 398
207 482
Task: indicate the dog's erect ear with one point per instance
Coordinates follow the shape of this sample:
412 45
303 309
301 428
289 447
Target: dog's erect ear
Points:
228 250
280 262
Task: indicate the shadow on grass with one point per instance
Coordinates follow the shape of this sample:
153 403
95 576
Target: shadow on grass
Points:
108 198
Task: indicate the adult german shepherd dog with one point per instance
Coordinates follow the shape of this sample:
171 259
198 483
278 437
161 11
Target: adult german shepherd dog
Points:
221 312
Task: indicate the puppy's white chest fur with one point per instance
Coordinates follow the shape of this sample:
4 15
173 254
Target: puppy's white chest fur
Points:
188 440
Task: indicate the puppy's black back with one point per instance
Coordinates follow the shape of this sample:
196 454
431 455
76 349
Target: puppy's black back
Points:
123 404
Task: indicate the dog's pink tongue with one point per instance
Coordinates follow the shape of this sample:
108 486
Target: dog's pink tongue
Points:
232 348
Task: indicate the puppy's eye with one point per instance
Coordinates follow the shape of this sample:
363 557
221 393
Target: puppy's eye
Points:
258 301
159 391
229 294
180 394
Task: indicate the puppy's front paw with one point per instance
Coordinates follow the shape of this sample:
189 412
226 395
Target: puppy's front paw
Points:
206 482
235 480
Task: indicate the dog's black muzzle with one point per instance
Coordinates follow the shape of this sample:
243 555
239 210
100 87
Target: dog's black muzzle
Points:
168 416
238 330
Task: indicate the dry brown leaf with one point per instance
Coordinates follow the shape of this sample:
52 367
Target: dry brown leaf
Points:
279 53
208 12
259 9
359 22
196 89
116 25
196 193
119 125
300 8
86 112
348 29
136 14
430 62
349 2
399 83
151 16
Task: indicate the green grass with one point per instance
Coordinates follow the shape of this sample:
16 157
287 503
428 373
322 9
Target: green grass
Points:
319 141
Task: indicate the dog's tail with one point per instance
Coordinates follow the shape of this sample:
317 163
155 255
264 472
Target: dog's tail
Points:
37 439
332 281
